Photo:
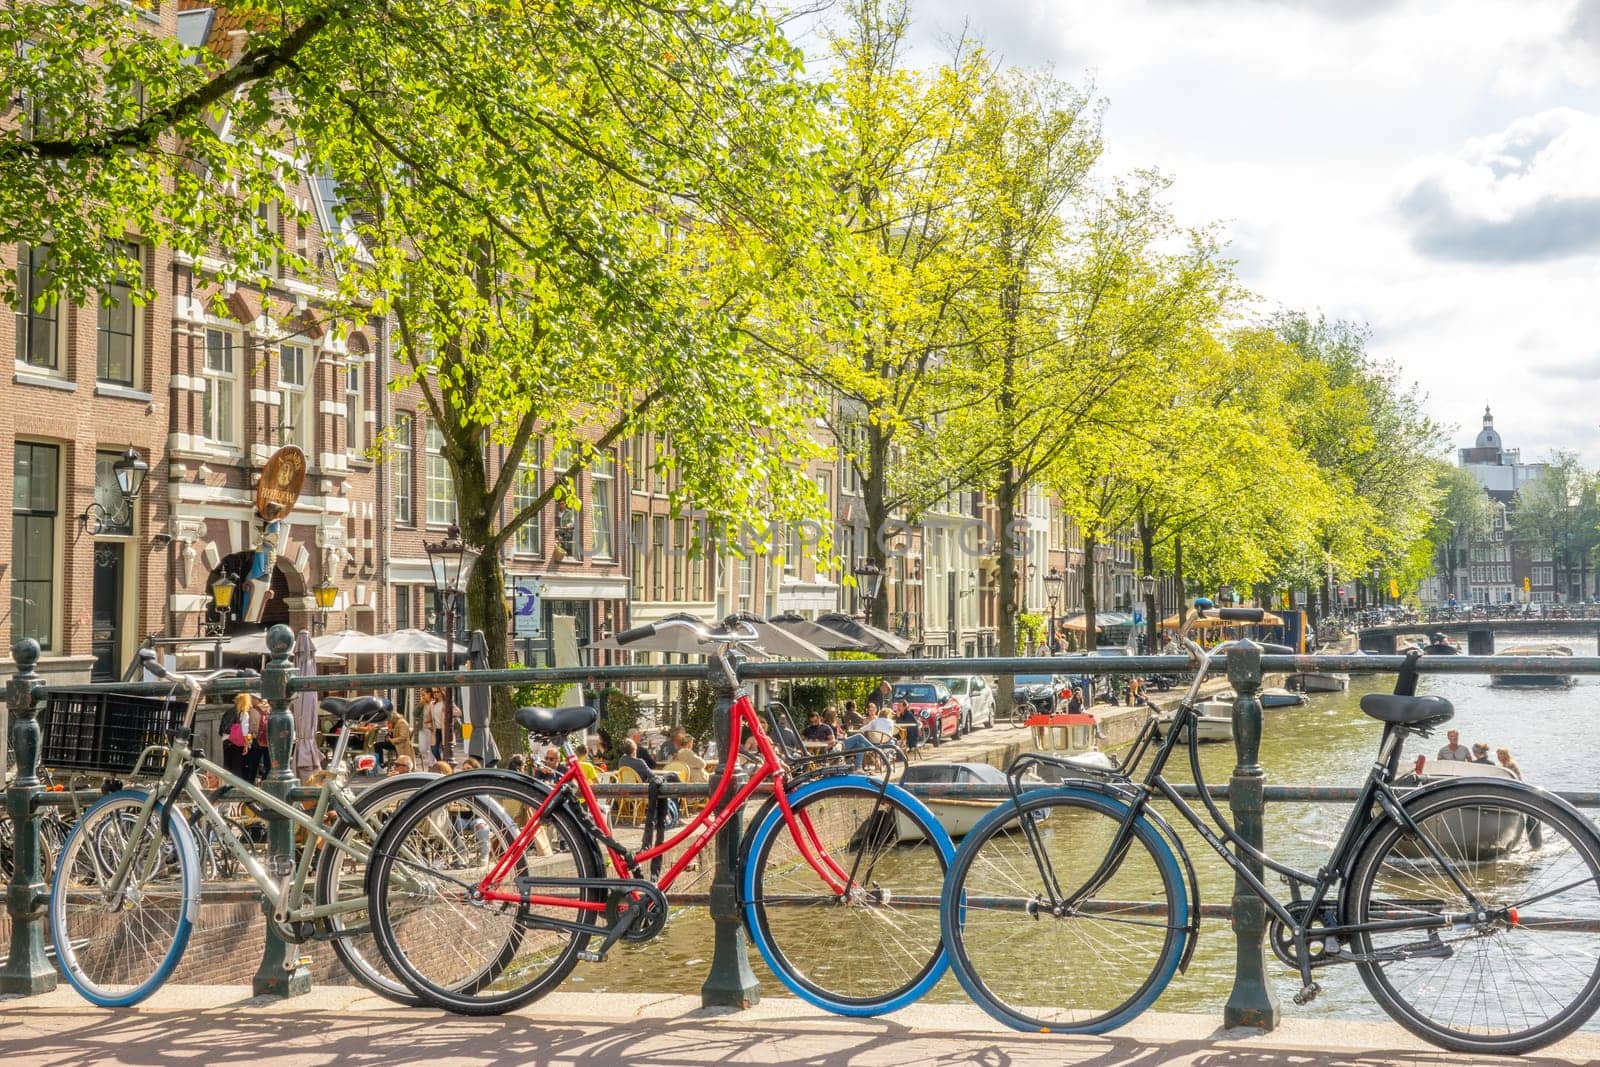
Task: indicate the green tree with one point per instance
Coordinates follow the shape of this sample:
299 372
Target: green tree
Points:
1462 512
1557 513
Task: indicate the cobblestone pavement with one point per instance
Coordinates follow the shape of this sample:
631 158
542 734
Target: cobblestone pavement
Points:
221 1025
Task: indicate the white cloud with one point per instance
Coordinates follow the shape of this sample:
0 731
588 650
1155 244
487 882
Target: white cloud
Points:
1527 193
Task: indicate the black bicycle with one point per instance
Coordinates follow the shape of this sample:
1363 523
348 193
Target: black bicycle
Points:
1470 905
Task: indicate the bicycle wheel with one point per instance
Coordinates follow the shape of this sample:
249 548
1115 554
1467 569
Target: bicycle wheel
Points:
117 951
874 948
341 876
1021 713
1522 972
455 950
1096 964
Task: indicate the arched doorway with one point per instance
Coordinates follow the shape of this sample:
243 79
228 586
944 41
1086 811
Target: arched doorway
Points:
277 607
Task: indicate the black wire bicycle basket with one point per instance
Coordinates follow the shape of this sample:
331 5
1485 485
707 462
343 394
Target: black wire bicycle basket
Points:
104 732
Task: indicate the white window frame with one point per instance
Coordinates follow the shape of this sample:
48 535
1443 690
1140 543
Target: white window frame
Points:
355 407
297 399
217 380
440 508
27 317
529 483
405 426
603 500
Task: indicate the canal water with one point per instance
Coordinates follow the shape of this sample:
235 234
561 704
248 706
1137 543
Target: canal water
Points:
1554 734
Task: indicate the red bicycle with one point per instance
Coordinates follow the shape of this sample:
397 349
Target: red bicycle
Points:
488 887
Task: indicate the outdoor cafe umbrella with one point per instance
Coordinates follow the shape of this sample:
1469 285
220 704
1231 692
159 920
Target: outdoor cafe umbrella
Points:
307 754
828 640
871 638
676 639
254 643
776 641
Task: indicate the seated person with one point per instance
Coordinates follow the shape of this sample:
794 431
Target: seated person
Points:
817 730
850 718
875 731
630 759
685 753
904 716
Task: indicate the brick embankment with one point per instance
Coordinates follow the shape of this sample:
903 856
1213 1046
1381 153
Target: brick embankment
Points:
220 1026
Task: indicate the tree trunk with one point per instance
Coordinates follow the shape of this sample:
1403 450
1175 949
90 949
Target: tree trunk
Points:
478 516
1152 622
1177 579
1006 624
875 495
1091 640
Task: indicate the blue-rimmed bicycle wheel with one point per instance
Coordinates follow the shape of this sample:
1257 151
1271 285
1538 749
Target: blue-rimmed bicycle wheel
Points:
1109 945
875 948
117 948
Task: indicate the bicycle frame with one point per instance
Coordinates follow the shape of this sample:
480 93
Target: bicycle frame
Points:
705 824
286 896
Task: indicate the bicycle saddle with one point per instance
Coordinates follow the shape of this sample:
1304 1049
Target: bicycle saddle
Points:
359 709
1407 711
556 722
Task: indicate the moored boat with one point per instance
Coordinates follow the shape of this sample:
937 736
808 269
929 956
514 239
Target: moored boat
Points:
956 814
1213 721
1533 681
1319 682
1471 834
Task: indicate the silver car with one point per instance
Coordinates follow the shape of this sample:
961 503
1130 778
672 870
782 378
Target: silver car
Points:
976 697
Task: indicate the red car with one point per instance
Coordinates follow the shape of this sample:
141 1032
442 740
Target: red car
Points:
936 710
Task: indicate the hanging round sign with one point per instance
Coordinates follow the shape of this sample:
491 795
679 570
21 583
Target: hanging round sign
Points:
281 481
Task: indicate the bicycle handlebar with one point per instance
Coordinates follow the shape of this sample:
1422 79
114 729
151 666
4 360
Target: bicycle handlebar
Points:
745 633
192 680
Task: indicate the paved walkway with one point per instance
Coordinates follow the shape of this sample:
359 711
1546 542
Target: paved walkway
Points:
214 1026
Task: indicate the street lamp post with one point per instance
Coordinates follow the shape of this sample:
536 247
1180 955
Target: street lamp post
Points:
1052 591
325 593
869 580
221 604
1147 586
449 560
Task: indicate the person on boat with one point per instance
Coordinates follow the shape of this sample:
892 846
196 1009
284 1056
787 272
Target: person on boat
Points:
1480 753
1504 756
1455 749
1075 702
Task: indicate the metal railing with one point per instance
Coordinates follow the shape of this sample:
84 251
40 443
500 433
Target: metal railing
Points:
730 982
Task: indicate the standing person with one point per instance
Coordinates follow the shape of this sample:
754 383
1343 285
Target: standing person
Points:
433 715
235 730
1455 750
258 759
1075 702
1504 756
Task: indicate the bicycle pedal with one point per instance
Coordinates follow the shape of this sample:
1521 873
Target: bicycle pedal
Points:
592 957
296 963
1307 994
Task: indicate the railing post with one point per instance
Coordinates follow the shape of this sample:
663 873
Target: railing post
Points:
281 973
26 970
1252 1002
731 983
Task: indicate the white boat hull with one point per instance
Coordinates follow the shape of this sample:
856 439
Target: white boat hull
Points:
957 817
1471 835
1211 727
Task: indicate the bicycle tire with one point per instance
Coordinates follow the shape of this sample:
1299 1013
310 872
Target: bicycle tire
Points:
1020 714
359 952
408 868
1077 827
90 952
815 968
1520 958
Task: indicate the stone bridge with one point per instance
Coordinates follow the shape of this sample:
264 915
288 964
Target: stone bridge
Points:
1384 640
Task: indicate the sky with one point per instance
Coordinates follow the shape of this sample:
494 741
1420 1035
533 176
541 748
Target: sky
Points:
1430 168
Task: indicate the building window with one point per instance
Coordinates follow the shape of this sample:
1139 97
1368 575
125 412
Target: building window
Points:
402 607
636 546
355 428
658 558
401 467
791 549
602 487
529 539
680 557
33 542
439 488
747 584
116 512
219 412
295 398
115 332
639 464
38 319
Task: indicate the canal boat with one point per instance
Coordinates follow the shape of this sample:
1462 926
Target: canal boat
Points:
1471 834
1273 696
1514 679
1319 681
1214 721
957 815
